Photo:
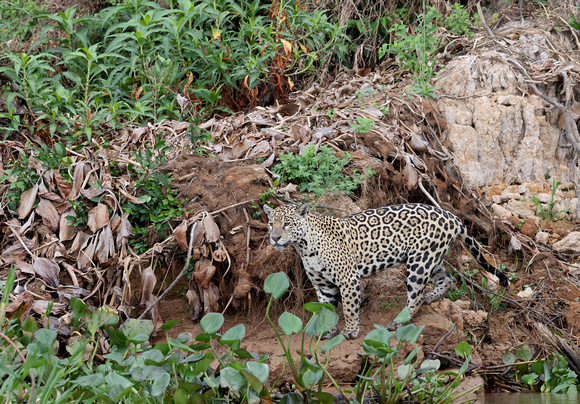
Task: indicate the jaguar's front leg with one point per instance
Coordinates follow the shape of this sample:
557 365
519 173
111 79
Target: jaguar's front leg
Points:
350 291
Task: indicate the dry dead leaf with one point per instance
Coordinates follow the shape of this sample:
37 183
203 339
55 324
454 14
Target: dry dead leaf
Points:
27 201
48 270
64 187
66 228
25 267
194 304
410 174
125 229
49 214
98 217
69 291
21 306
288 109
85 256
212 231
417 143
16 252
148 282
210 298
78 243
106 245
203 272
180 234
219 254
41 306
92 192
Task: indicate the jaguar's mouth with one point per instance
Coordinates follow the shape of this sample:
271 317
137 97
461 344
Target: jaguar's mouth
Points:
279 246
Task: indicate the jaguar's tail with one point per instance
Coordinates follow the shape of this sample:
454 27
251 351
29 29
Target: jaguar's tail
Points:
476 252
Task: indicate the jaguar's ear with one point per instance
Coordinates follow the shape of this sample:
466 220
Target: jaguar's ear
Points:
268 210
303 209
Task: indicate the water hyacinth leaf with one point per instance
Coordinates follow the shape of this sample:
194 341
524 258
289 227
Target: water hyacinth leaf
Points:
404 316
377 342
260 370
160 385
322 322
252 380
332 343
45 337
211 323
27 201
292 398
133 327
232 379
313 307
463 349
309 373
324 397
276 284
234 334
530 378
168 325
184 336
429 365
404 371
289 323
409 333
411 355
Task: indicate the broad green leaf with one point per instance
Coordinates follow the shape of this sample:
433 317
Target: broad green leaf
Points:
530 378
252 380
234 334
409 333
463 349
324 397
232 379
292 398
404 316
332 343
524 353
404 371
133 327
45 337
289 323
378 338
411 355
168 325
429 365
260 370
508 358
160 384
211 323
309 373
322 321
313 307
276 284
185 337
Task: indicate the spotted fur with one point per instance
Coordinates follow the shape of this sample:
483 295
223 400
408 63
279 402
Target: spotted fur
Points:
338 252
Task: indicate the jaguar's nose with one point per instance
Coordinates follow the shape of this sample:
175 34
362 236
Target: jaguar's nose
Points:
275 238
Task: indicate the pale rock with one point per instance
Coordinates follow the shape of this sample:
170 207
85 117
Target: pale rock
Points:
542 237
523 210
497 137
546 198
521 189
496 199
569 244
573 208
506 196
500 212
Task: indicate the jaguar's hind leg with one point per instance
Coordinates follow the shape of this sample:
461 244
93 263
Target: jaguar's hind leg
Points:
443 282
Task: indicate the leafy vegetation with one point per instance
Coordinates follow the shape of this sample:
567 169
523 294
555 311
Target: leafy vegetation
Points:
363 125
122 62
546 211
319 172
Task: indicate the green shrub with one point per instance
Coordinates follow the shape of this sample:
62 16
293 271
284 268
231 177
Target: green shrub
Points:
319 172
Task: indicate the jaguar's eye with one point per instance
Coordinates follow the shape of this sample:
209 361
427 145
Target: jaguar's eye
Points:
286 223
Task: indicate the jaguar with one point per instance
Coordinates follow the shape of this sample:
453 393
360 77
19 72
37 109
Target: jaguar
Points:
338 252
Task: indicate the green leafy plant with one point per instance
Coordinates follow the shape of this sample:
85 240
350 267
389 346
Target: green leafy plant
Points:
458 21
416 50
319 172
549 375
363 125
547 212
362 93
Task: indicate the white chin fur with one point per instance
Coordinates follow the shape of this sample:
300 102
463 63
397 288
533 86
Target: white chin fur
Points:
280 247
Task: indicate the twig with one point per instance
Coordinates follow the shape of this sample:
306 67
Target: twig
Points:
443 338
183 272
485 26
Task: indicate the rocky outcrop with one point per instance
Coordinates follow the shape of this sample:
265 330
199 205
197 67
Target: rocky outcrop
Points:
498 133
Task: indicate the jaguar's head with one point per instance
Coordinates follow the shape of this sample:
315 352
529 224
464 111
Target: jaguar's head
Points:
286 224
